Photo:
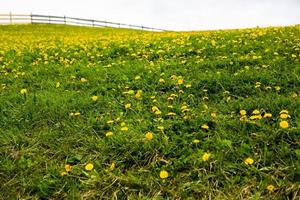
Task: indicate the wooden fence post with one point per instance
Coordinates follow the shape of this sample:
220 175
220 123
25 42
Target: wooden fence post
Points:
65 20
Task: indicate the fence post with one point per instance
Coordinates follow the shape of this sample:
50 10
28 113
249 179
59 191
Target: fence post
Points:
49 19
93 21
65 20
30 18
10 17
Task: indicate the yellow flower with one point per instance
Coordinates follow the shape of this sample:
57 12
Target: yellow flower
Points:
57 85
109 134
205 126
206 157
213 115
89 167
249 161
83 80
112 166
138 94
76 113
171 114
254 117
163 174
196 141
284 111
271 188
125 128
23 91
188 85
110 122
284 124
267 115
180 81
256 112
284 116
149 136
277 88
68 168
63 173
154 108
161 80
158 112
94 98
243 112
127 106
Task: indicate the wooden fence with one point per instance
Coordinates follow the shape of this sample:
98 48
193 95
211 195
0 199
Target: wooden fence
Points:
50 19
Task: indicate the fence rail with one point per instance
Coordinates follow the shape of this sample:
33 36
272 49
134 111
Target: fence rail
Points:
51 19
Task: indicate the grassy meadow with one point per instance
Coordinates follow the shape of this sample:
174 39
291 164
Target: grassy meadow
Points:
103 113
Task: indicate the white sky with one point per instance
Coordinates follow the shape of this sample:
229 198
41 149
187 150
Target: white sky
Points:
169 14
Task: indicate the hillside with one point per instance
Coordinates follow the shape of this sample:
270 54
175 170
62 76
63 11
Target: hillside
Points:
99 113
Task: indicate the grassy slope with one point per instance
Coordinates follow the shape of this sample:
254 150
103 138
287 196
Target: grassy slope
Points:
38 137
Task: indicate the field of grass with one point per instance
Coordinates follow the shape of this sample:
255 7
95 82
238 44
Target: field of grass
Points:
89 113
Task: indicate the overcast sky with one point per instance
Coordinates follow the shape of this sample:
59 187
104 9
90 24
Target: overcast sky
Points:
169 14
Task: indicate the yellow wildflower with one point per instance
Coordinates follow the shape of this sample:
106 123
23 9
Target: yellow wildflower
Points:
243 112
284 111
196 141
83 80
284 124
161 80
23 91
271 188
68 168
125 128
249 161
163 174
94 98
284 116
205 126
89 167
213 115
63 173
127 106
206 157
109 134
149 136
267 115
256 112
180 81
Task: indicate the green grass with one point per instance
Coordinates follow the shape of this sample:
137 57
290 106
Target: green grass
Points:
222 72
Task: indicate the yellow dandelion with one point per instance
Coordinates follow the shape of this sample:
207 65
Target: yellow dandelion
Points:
112 166
284 124
149 136
110 122
163 174
243 112
83 80
205 126
277 88
267 115
76 113
57 85
138 94
249 161
94 98
213 115
161 80
196 141
171 114
108 134
206 157
63 173
255 117
158 112
23 91
125 128
180 81
89 167
68 168
284 111
128 105
284 116
271 188
188 85
154 109
256 112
